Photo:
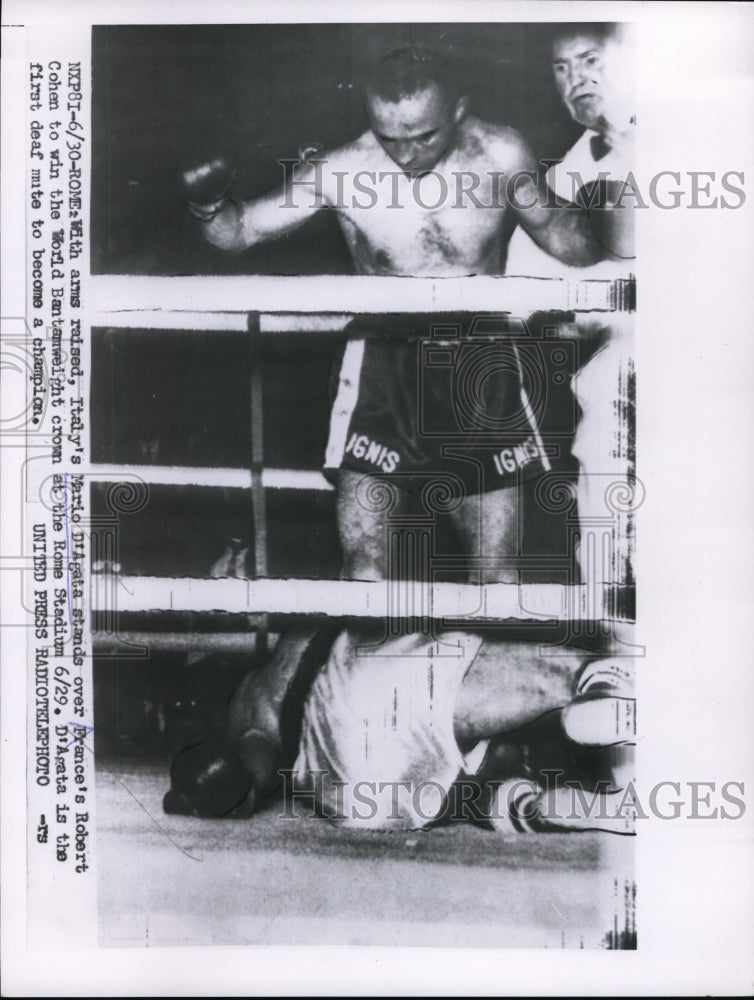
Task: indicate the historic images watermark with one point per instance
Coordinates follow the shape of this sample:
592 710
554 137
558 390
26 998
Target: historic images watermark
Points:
494 189
550 802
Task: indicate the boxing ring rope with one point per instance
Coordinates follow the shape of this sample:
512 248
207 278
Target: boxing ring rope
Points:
271 305
287 304
470 603
239 479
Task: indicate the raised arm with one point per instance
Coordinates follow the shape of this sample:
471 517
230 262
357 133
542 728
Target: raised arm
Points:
577 234
206 185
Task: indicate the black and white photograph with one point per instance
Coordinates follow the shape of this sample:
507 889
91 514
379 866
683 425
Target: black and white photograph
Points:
429 454
351 364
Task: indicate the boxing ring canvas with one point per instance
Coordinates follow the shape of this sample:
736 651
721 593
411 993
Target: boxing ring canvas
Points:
214 528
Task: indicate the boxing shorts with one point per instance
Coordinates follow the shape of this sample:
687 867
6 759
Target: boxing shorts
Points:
439 396
377 748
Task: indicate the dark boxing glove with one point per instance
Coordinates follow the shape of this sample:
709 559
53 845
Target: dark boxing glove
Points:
205 182
208 781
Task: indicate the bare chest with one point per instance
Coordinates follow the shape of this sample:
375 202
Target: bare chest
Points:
439 224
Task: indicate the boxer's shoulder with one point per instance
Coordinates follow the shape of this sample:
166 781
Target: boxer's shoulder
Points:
353 154
330 167
499 146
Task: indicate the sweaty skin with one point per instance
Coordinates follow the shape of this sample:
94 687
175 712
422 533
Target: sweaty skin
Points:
426 191
464 234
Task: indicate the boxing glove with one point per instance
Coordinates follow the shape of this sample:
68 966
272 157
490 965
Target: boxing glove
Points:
205 182
208 781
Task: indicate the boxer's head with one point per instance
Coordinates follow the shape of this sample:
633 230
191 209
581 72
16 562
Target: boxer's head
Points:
414 108
593 71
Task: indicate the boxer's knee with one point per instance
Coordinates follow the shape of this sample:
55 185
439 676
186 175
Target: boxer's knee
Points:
363 531
489 528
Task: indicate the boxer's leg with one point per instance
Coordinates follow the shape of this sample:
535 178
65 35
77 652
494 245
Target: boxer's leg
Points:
488 525
510 684
363 511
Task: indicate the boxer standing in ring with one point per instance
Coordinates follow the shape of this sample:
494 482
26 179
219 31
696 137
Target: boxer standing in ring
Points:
448 210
